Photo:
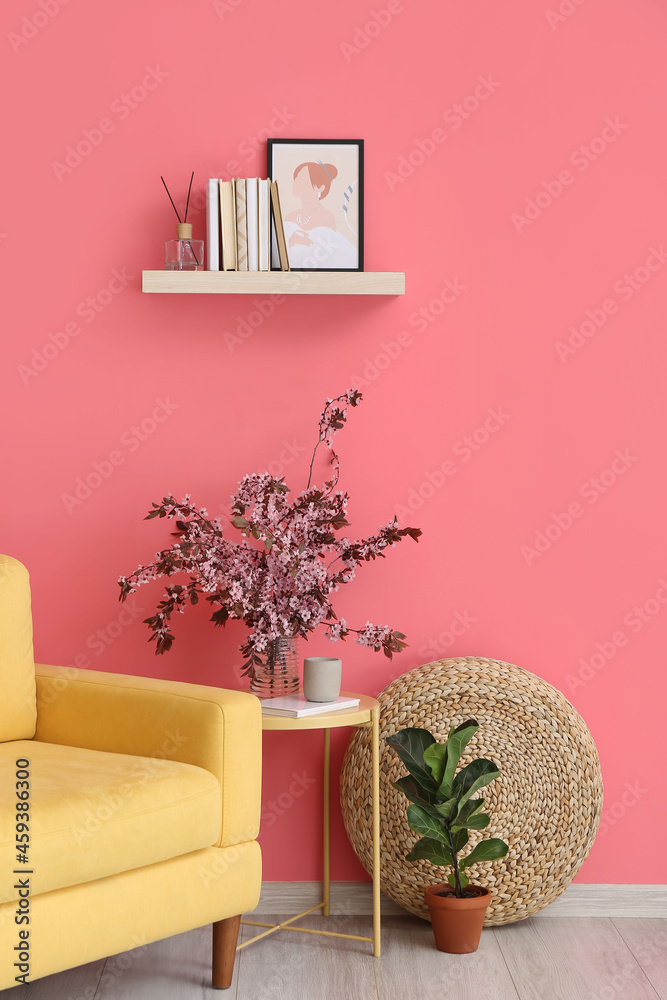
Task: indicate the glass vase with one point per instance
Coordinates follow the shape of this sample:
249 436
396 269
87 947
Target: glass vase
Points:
184 253
278 675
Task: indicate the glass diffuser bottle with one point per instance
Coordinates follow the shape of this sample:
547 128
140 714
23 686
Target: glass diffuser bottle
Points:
184 253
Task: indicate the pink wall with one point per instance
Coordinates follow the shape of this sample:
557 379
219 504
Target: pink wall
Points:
581 92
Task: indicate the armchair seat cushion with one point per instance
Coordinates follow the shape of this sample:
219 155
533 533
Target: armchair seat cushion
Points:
94 814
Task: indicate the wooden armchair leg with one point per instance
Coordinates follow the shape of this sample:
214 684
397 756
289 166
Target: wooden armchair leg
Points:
225 936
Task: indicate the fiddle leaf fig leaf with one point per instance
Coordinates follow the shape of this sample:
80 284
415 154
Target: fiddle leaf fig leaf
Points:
479 821
487 850
473 777
434 758
468 809
463 879
415 793
434 851
422 822
460 839
410 745
456 744
447 809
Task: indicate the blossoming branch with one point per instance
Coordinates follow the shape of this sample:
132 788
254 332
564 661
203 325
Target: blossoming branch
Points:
279 577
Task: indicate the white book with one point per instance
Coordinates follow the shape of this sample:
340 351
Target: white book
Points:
212 225
252 219
295 706
264 224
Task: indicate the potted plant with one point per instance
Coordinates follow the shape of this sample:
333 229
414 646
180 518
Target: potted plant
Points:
443 810
281 575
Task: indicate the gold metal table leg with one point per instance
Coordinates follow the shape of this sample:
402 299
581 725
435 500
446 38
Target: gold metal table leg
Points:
375 751
326 853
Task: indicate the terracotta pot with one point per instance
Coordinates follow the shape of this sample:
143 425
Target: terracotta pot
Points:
457 923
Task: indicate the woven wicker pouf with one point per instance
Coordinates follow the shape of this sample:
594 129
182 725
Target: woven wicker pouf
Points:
546 804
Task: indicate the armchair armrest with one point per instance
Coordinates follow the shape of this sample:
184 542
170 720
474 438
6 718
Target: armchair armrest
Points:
210 727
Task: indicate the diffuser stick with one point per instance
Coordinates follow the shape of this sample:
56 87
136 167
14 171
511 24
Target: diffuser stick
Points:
187 204
170 198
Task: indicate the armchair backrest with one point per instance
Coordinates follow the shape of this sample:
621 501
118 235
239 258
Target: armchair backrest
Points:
18 710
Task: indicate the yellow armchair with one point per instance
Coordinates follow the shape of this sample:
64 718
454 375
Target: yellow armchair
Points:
129 807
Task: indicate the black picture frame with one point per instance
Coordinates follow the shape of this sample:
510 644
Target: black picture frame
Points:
330 253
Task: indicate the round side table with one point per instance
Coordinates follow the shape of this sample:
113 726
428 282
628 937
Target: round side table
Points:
365 716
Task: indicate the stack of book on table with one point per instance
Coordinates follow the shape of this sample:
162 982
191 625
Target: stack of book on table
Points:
295 706
244 226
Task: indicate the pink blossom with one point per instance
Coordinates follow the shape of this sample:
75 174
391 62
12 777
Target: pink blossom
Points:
279 577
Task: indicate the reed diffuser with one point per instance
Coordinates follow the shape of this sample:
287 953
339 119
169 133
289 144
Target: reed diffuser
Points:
183 253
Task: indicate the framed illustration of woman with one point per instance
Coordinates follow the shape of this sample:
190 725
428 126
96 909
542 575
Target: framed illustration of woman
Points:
321 189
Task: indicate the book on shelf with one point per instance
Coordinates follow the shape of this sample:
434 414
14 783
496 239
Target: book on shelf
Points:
212 225
241 226
228 225
251 205
295 706
264 219
243 219
279 258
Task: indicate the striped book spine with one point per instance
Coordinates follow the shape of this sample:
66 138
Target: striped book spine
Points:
241 227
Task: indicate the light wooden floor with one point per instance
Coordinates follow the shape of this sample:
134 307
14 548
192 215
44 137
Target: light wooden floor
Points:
558 958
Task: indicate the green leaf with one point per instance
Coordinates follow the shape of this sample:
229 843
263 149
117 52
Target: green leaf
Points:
456 744
425 824
487 850
460 838
431 850
447 809
477 822
434 758
410 745
468 809
239 521
415 793
473 777
463 879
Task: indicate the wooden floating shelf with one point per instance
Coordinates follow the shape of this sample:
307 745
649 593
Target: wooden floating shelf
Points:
274 282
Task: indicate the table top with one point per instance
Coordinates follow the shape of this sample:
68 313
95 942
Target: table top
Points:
327 720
